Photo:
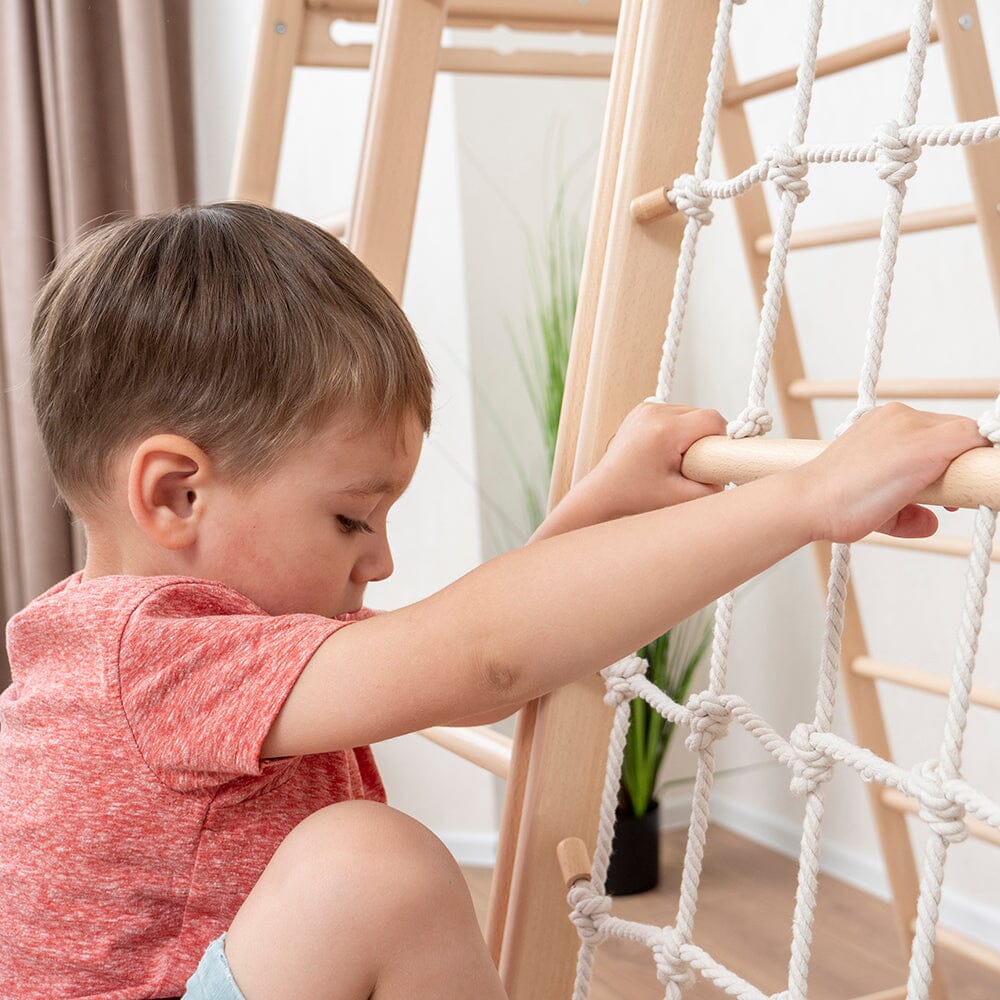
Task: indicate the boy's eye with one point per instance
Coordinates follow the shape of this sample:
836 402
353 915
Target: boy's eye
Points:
349 526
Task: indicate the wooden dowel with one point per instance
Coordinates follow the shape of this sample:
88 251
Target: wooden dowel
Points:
943 545
870 229
510 823
479 745
961 945
651 206
336 225
535 15
574 862
323 52
898 388
896 993
906 804
836 62
971 480
922 680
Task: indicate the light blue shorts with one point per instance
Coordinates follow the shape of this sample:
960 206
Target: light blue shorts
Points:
212 980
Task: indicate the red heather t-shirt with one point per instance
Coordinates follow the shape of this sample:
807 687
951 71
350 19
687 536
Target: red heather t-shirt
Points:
135 813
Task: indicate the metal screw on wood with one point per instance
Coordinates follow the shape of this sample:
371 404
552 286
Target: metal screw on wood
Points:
965 22
280 27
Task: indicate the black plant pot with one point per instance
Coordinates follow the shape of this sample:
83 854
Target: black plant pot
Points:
635 852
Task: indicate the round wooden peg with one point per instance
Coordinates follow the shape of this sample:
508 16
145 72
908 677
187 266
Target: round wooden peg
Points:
574 860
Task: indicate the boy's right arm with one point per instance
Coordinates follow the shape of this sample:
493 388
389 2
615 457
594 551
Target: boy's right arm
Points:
565 607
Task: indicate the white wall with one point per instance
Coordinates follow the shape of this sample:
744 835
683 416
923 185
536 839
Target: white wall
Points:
492 166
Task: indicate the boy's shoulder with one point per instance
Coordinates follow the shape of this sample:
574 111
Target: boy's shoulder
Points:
75 613
118 592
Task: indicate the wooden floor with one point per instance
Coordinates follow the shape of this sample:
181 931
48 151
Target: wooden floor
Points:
744 920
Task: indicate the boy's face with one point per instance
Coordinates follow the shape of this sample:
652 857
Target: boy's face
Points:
311 536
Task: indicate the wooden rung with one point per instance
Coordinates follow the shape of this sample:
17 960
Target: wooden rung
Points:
574 861
530 15
971 480
937 545
896 993
836 62
480 745
336 225
324 52
961 945
922 680
870 229
651 206
894 799
898 388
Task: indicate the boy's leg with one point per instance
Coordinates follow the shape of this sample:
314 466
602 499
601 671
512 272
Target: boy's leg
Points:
360 901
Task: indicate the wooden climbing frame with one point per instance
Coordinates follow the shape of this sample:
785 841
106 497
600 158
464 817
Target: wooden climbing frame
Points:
657 81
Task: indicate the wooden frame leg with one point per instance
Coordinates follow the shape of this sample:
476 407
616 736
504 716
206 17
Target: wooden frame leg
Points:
571 733
258 148
404 65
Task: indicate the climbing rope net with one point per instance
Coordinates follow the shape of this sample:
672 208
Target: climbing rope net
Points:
812 748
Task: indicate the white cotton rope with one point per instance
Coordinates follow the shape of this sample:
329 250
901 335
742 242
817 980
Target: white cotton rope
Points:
812 750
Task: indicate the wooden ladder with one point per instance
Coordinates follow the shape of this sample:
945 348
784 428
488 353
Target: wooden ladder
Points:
405 59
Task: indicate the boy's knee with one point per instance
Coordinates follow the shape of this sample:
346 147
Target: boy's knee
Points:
370 848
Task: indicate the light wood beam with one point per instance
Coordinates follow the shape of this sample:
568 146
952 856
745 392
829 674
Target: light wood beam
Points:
479 745
870 229
899 388
921 680
837 62
972 479
571 733
936 545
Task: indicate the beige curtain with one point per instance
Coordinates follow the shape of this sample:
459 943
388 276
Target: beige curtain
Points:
95 121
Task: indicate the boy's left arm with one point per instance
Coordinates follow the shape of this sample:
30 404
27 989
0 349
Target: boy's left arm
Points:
640 471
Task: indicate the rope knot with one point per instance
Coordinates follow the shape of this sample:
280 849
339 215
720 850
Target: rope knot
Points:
811 766
618 678
941 813
690 198
670 967
788 171
896 159
710 716
589 909
752 422
989 426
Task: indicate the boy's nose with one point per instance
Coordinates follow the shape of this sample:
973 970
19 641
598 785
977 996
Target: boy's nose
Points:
377 564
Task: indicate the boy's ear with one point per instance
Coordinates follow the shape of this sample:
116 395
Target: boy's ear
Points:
166 483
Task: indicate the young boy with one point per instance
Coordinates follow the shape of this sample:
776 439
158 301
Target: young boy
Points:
231 404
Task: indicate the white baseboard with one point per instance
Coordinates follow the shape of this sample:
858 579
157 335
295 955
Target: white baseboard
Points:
477 850
960 913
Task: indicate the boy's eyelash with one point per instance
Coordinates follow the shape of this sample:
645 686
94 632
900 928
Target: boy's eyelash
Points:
350 526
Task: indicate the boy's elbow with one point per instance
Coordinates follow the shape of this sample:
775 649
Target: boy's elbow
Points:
500 681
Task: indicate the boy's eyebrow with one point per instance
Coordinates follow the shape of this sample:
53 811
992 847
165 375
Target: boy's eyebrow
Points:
369 487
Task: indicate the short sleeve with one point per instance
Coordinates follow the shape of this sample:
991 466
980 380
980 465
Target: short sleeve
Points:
203 672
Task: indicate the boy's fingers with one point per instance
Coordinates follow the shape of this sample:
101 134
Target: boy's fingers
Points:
695 424
683 490
913 521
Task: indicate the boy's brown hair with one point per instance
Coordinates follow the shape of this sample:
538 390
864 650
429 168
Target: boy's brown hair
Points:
237 326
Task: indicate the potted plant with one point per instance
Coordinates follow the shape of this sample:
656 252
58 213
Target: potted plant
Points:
673 657
635 853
